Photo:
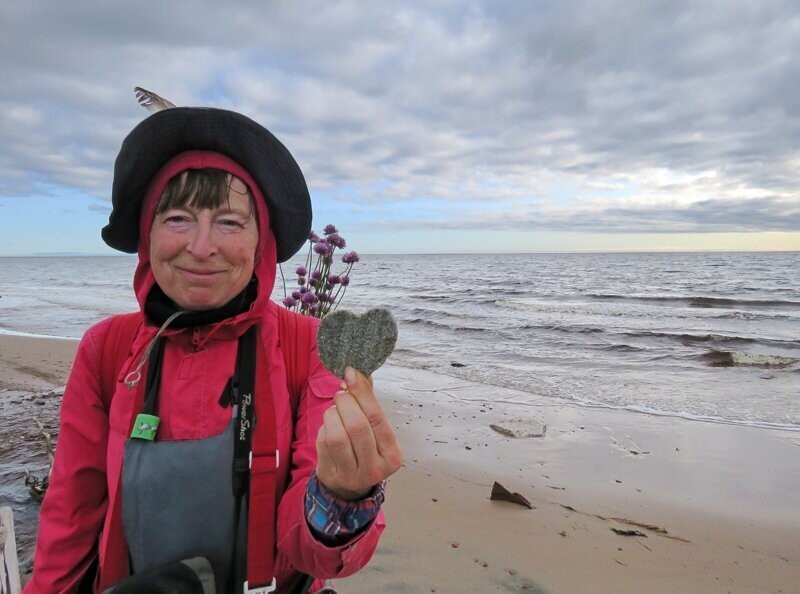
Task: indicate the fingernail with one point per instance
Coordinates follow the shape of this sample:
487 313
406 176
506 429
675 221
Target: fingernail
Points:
349 375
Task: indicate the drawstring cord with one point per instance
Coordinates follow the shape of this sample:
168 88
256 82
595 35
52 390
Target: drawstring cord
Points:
135 376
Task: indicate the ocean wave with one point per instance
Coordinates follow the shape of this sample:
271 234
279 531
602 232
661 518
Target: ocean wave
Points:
691 339
641 408
690 416
7 332
623 348
567 329
736 359
443 325
700 301
685 338
437 313
683 312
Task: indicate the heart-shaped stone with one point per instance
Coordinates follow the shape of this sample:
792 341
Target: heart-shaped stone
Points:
363 342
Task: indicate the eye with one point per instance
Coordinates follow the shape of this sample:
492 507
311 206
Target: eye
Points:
230 224
177 221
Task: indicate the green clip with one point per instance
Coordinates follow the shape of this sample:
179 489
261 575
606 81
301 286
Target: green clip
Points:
145 427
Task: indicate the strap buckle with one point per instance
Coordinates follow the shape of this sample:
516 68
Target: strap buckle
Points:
277 459
260 590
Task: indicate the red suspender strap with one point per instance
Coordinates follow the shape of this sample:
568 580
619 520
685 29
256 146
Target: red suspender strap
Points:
296 334
116 348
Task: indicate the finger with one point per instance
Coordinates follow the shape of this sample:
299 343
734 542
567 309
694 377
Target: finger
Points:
336 442
358 428
357 382
361 388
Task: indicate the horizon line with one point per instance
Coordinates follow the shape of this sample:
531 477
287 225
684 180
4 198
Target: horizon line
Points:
498 253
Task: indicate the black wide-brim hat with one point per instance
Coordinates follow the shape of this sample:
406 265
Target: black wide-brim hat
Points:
170 132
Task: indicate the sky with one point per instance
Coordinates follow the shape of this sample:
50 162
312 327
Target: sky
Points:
429 125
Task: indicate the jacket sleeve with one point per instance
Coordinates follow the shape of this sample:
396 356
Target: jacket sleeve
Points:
296 542
74 507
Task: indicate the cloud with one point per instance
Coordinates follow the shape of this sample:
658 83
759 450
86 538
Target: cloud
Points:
659 116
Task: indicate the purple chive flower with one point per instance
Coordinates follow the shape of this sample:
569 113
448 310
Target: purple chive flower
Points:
350 258
322 248
318 289
336 240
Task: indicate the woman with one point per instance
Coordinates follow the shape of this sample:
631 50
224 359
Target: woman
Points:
161 466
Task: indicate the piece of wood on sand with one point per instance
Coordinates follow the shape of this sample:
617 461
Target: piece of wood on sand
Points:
9 565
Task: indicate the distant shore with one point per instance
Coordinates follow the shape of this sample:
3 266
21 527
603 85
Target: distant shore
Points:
716 505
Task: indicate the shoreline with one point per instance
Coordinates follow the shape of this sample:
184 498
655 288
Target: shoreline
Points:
727 495
554 401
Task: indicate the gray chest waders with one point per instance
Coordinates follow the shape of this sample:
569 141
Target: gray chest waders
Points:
181 499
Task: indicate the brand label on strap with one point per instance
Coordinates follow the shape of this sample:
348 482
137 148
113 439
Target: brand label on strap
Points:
145 427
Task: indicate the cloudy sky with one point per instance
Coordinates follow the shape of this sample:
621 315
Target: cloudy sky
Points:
429 125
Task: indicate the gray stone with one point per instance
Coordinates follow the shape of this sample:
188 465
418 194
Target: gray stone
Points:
520 428
363 342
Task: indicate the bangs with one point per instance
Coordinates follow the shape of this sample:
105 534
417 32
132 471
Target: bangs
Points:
198 188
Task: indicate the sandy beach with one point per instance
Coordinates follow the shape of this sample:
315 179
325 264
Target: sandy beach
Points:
712 507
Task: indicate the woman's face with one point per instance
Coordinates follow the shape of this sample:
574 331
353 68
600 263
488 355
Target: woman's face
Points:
203 258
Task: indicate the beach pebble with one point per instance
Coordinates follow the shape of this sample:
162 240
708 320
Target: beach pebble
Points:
360 341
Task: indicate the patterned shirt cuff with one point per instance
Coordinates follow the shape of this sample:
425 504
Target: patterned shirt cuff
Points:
334 521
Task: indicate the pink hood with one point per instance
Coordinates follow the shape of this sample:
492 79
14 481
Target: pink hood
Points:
266 256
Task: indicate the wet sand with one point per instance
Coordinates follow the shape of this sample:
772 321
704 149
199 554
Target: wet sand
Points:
716 505
33 372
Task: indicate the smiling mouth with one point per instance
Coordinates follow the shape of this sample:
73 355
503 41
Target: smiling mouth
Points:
200 273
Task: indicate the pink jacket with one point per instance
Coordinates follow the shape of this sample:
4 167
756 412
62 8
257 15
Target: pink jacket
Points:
77 510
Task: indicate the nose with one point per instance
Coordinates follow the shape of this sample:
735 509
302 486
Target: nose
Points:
202 244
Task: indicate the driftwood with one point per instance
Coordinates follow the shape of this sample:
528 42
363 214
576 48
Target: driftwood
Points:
9 565
628 532
38 485
500 493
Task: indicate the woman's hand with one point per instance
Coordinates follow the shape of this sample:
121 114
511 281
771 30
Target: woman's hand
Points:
356 446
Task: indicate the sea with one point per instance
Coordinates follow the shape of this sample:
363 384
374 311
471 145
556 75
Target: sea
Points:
710 336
